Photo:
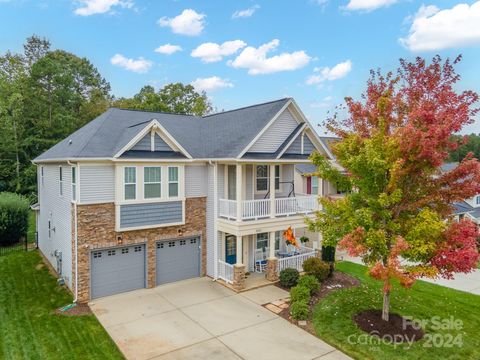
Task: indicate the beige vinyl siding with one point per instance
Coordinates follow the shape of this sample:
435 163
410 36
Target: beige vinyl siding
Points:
97 183
276 134
58 209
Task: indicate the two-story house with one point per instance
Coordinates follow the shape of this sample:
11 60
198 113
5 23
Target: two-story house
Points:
137 199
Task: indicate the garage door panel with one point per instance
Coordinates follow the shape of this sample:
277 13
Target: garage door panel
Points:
117 270
177 260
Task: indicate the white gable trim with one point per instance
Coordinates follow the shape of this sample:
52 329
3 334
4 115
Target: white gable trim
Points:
259 135
317 138
154 127
300 133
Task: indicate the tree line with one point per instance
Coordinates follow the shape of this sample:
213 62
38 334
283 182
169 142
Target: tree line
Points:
46 94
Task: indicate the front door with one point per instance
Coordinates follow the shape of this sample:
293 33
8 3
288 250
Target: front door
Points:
231 249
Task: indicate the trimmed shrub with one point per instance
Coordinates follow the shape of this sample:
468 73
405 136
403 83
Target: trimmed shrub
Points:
289 277
299 310
300 293
14 210
310 282
316 267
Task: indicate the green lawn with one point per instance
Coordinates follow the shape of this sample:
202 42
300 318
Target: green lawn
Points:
332 318
29 329
31 227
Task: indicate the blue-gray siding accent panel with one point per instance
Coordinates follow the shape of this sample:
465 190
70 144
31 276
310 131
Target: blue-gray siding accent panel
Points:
117 270
150 214
308 146
295 147
144 144
177 260
161 145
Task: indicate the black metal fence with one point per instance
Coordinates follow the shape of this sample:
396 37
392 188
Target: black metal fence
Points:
21 246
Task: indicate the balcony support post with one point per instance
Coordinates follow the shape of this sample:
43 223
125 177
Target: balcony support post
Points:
272 190
239 195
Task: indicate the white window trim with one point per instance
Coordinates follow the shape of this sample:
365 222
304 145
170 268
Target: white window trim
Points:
124 183
139 188
268 178
60 180
173 182
152 182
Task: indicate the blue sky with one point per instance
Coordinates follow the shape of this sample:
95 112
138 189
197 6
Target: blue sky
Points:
246 52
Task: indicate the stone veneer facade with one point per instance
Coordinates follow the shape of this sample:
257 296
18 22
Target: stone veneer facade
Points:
96 230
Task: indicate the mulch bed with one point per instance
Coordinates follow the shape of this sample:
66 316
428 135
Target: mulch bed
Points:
396 329
337 281
78 310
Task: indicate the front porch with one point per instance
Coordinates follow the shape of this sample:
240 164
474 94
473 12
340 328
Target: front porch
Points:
252 261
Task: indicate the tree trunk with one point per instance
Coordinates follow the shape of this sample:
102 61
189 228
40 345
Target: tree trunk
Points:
386 305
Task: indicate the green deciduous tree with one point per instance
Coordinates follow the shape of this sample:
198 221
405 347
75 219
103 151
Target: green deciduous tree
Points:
173 98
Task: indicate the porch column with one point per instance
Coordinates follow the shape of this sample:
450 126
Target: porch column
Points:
239 195
239 251
239 268
272 191
272 261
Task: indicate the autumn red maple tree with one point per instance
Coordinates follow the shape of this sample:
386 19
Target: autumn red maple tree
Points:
397 214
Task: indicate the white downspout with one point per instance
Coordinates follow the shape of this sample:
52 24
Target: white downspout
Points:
77 188
215 213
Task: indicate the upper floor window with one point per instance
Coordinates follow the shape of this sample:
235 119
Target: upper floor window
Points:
477 200
315 185
152 182
74 183
263 177
41 175
173 181
60 180
130 181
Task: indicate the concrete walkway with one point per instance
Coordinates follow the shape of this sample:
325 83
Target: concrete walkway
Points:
465 282
200 319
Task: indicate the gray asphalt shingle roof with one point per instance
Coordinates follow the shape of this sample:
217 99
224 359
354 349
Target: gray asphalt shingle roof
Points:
220 135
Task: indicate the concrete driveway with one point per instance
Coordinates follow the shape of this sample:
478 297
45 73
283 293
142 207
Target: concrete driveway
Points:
200 319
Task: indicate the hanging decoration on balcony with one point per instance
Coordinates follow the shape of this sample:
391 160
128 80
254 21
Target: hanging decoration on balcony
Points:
290 238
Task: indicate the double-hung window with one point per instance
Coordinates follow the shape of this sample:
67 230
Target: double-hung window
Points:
477 200
172 181
314 185
130 183
74 183
41 175
262 241
152 179
60 180
262 177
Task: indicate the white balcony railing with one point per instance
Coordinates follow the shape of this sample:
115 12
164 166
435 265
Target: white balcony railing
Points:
258 209
296 261
225 271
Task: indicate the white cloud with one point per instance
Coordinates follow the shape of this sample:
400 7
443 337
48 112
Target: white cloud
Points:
189 22
329 74
211 83
435 29
168 49
139 66
92 7
257 62
212 52
245 13
368 5
324 103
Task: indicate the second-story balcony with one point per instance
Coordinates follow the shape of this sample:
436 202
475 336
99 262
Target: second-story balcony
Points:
267 208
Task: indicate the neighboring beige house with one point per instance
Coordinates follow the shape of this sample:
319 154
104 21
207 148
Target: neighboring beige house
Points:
137 199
